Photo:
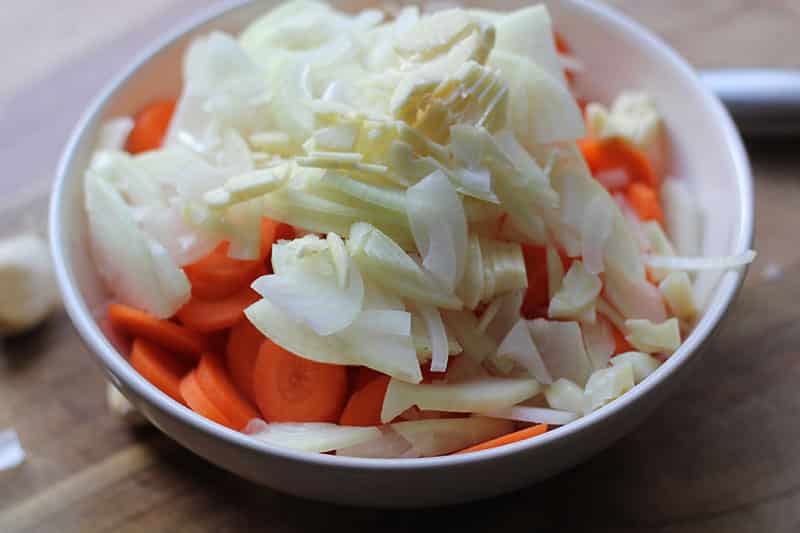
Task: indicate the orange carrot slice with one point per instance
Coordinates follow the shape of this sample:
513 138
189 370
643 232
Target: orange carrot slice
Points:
644 200
517 436
534 305
161 368
364 406
213 379
206 316
217 276
292 389
150 126
166 334
603 155
198 402
241 353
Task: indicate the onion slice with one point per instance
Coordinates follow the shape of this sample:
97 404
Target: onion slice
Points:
694 264
535 415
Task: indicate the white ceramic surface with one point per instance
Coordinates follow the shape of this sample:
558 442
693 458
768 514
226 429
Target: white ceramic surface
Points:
618 53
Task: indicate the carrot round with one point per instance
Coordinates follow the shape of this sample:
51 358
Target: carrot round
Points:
206 316
213 379
292 389
644 200
164 333
364 406
534 305
161 368
517 436
198 402
218 276
150 126
241 353
611 154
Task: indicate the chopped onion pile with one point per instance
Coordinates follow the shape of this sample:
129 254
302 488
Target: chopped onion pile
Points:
418 159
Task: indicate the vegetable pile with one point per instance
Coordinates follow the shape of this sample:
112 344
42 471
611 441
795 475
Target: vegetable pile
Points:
393 236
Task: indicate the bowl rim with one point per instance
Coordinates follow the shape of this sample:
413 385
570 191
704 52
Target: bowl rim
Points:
116 364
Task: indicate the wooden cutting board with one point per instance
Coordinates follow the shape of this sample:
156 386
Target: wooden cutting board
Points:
720 455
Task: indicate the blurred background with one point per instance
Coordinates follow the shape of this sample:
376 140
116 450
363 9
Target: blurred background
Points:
721 455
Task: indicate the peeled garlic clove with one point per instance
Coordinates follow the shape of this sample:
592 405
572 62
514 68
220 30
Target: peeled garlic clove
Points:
28 292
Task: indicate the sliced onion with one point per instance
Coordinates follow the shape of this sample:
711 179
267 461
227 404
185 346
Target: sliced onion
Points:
599 341
535 415
477 345
310 293
684 217
576 297
649 337
389 445
507 314
643 364
519 347
634 298
472 396
676 288
694 264
315 436
437 220
595 232
561 347
429 438
606 385
125 255
438 336
383 260
564 395
555 271
393 355
114 134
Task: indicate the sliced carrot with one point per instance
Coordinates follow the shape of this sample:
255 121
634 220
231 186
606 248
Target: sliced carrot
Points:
365 376
241 353
166 334
161 368
534 305
213 378
207 316
218 341
150 126
217 276
621 344
517 436
292 389
364 406
198 402
644 200
603 155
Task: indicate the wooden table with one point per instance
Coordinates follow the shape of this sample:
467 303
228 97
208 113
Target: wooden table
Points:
721 455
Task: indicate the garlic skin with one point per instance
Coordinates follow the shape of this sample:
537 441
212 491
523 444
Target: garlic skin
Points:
28 292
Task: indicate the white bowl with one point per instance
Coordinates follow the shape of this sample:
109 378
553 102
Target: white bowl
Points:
619 54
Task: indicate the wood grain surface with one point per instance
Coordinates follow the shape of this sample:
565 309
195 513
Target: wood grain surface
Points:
720 455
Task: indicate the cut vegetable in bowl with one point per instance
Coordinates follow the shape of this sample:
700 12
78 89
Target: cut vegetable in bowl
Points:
394 237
